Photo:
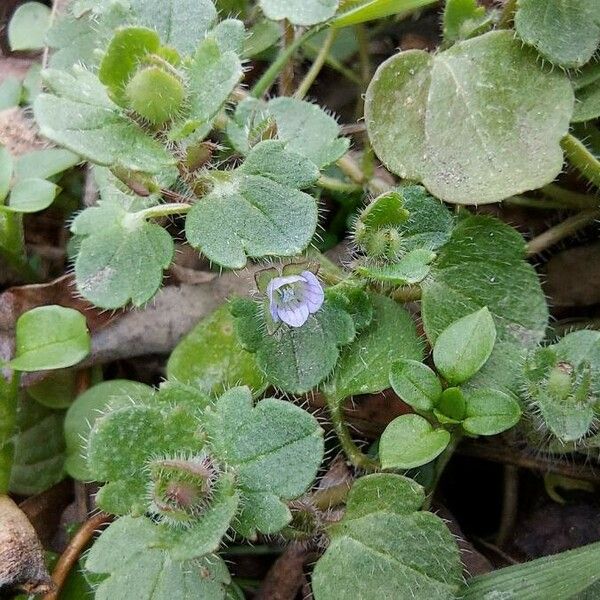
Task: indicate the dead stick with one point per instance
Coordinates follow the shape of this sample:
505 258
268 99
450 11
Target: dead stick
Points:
73 551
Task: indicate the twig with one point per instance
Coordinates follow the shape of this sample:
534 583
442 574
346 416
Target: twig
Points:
317 65
286 77
561 231
512 456
510 503
73 551
270 75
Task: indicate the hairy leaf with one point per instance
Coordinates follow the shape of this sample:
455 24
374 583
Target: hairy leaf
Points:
129 555
78 114
87 409
363 367
259 208
385 548
211 357
294 359
566 32
275 448
121 257
441 119
483 265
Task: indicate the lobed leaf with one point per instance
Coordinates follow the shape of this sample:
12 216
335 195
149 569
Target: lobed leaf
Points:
78 114
483 265
128 554
388 549
259 208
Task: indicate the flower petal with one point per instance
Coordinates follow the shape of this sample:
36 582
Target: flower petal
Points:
313 292
294 317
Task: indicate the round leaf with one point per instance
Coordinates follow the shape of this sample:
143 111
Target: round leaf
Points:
31 195
490 412
410 441
50 337
440 119
415 383
464 347
28 26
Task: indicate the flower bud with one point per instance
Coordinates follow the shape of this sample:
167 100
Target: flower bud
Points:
182 488
155 94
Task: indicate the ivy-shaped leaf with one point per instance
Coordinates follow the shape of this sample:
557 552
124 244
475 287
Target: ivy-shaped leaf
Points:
259 208
299 12
203 464
212 74
122 442
294 360
121 257
566 32
308 130
384 547
484 264
305 128
439 119
129 555
275 449
78 114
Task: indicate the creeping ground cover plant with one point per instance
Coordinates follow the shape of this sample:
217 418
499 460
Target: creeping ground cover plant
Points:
293 290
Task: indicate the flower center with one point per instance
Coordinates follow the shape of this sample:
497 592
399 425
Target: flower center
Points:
288 293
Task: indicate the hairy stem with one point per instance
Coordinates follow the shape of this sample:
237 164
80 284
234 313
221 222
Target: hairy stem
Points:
335 185
271 74
164 210
570 198
561 231
581 158
407 293
508 14
352 451
317 65
351 169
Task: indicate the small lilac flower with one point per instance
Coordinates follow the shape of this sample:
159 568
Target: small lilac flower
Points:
293 298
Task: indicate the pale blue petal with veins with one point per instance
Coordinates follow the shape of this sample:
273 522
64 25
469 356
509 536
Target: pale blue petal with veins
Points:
293 298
